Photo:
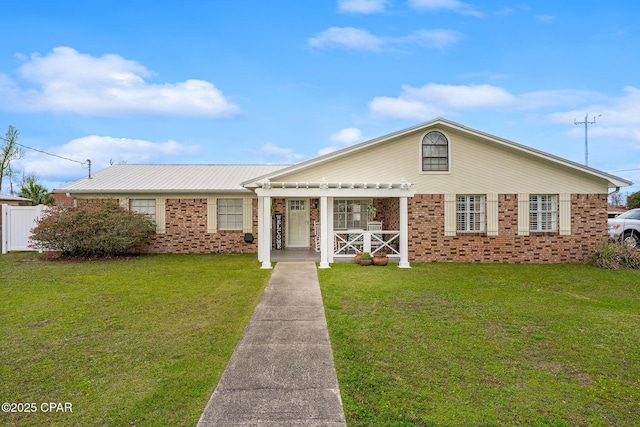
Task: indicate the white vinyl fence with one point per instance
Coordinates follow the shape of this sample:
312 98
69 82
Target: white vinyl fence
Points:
17 222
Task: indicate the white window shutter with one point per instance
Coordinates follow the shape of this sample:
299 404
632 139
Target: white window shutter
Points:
212 215
247 215
160 215
449 214
124 202
523 214
492 214
565 214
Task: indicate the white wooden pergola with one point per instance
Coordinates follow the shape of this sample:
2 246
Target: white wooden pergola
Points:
325 192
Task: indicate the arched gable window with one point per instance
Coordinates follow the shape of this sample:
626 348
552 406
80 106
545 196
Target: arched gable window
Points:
435 152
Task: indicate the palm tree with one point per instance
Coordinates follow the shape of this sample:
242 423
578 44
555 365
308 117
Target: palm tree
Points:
39 195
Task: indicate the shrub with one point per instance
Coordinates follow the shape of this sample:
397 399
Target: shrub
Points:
616 256
92 229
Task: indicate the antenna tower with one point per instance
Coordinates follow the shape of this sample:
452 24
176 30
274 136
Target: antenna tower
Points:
586 136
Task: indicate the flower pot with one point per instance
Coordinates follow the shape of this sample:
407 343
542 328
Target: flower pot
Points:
357 258
380 260
366 261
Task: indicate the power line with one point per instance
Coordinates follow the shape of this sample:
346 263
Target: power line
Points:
87 162
50 154
627 170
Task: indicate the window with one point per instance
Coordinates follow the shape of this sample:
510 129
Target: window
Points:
470 213
435 152
297 205
350 213
144 206
543 212
230 214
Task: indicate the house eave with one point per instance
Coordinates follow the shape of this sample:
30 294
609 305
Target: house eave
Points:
179 191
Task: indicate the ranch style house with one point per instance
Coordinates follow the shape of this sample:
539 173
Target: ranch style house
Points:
435 192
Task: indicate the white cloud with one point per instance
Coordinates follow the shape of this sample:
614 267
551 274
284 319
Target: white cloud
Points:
101 150
347 136
347 37
286 155
434 99
453 5
619 117
67 81
438 39
362 6
359 39
403 108
342 139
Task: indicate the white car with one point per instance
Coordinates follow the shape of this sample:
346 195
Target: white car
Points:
626 227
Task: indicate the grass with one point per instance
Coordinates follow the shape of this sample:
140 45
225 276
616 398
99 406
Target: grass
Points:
137 341
143 341
485 345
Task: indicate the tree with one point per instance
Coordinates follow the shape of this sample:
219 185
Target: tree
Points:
633 200
9 150
616 199
32 189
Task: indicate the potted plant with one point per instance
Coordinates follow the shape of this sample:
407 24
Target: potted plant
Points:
366 259
380 258
357 257
372 211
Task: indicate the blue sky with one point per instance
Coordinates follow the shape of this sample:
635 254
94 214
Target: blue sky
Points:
280 81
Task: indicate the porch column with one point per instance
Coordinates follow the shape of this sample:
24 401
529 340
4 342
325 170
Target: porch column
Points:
260 232
404 233
324 233
264 232
330 238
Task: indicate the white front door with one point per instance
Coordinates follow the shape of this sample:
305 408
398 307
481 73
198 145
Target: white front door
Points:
298 223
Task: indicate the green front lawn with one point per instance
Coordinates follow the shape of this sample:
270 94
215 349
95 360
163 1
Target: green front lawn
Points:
485 345
137 341
143 341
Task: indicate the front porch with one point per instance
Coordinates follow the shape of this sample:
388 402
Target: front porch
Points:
324 228
347 243
307 255
295 255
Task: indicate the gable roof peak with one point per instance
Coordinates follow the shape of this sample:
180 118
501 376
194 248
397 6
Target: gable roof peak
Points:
613 180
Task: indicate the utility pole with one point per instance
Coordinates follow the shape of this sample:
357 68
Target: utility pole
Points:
586 135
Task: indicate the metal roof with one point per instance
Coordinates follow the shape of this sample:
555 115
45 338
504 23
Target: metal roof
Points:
168 179
10 198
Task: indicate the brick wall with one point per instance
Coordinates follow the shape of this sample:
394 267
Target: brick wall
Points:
427 242
186 231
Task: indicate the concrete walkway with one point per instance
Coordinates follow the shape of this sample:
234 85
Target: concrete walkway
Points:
281 373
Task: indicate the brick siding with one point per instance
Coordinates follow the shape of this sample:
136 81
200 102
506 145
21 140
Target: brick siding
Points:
427 242
186 231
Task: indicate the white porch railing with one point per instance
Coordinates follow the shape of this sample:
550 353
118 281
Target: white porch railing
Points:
347 243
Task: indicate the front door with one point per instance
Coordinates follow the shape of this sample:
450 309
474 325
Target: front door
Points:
298 223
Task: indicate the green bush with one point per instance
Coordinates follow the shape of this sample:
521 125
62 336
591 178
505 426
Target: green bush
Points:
92 229
616 256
